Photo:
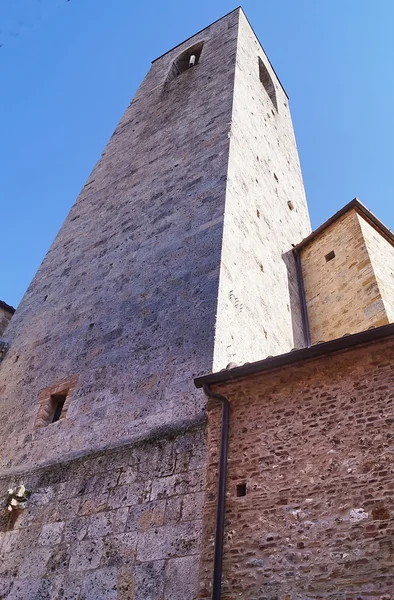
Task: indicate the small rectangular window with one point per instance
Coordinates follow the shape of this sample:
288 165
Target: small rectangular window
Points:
241 490
330 256
54 401
57 402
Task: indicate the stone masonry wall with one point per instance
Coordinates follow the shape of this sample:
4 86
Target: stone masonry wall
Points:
381 253
266 212
314 444
122 525
5 318
342 294
126 297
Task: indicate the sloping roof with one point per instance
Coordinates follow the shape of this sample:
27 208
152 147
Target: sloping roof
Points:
362 210
282 360
7 307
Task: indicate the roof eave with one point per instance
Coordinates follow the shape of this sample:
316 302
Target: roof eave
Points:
297 356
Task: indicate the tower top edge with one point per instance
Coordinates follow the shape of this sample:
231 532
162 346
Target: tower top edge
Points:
239 8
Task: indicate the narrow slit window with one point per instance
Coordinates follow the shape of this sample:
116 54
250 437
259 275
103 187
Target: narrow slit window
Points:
185 61
330 256
267 82
57 401
54 401
241 490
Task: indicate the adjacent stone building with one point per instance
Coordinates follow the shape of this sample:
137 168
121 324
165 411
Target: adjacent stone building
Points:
310 493
189 248
6 312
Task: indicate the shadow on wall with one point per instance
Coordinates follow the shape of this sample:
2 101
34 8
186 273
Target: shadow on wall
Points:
295 303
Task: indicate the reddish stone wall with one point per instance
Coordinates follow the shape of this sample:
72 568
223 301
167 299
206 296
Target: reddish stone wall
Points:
314 444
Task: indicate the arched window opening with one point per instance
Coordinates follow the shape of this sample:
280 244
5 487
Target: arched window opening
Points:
267 82
188 59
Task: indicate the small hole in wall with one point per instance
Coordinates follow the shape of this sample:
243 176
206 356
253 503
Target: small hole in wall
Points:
91 325
262 268
45 297
241 490
276 177
290 205
330 256
16 358
258 213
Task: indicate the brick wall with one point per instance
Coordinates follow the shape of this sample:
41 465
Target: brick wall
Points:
314 444
122 525
342 294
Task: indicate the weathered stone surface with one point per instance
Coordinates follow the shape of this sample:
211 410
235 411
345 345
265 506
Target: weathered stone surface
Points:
171 262
353 291
6 313
179 577
313 442
70 543
155 276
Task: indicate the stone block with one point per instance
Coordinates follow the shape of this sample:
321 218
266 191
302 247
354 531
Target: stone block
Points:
102 583
192 506
167 541
181 578
86 555
127 495
149 580
51 534
119 550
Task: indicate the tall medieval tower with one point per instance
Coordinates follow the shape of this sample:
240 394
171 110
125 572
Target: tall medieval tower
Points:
174 261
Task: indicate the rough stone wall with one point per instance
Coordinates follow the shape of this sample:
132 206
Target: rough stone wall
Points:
5 318
342 294
314 444
266 213
381 253
126 297
122 525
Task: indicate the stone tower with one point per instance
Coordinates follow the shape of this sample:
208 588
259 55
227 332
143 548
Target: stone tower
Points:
174 261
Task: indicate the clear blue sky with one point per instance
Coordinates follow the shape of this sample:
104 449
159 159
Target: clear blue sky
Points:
69 70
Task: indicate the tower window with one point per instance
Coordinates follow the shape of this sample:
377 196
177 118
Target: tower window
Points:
330 256
54 401
57 404
267 82
185 61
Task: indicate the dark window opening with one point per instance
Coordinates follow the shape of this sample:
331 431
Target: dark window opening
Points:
188 59
241 490
330 256
57 404
267 82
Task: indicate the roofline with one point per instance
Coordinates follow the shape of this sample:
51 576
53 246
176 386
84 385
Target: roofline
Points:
271 65
198 33
7 307
239 8
297 356
365 212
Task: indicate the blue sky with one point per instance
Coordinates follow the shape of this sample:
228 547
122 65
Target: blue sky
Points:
69 69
